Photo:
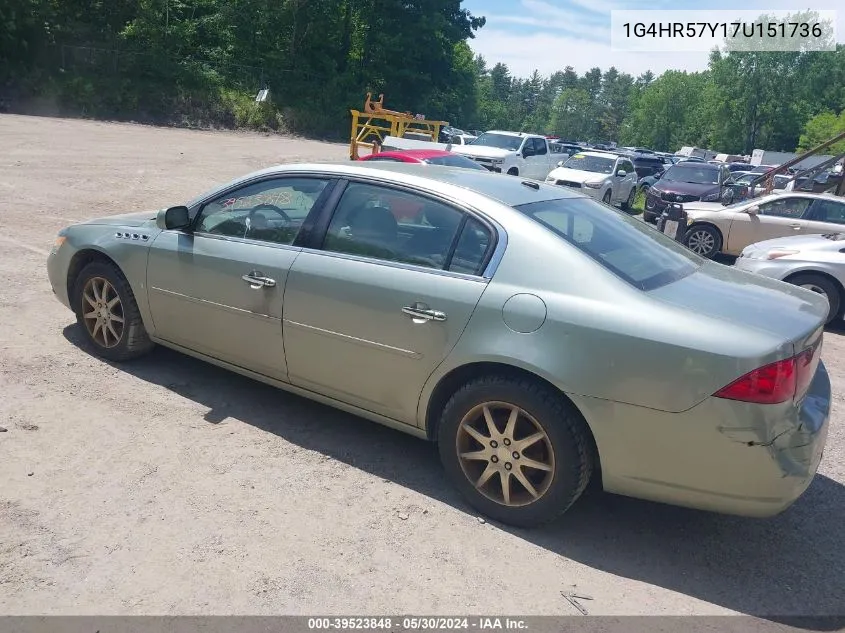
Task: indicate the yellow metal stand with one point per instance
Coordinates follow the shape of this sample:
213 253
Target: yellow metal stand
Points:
371 126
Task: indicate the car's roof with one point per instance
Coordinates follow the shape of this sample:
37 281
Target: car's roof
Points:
600 154
421 154
508 133
508 190
689 164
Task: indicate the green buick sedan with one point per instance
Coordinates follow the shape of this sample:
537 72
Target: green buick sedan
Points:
541 338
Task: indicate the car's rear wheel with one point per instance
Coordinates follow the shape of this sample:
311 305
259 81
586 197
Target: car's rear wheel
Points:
822 286
703 239
606 197
518 451
629 202
108 313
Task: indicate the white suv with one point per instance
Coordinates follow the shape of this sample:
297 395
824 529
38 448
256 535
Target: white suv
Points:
605 176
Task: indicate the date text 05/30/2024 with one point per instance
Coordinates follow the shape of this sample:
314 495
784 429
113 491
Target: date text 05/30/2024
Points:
416 623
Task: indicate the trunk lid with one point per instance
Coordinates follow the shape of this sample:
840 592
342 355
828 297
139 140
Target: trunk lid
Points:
743 299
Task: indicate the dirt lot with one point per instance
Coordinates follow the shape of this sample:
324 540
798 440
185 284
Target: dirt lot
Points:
168 486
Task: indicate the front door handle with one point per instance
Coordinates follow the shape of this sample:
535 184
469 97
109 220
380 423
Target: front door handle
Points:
258 280
421 313
795 226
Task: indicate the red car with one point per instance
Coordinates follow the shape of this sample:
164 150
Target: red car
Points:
403 209
425 156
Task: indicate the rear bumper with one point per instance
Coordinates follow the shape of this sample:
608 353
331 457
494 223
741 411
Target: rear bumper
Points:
722 456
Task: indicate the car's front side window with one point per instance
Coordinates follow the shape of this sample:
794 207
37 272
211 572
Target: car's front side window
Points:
269 210
398 226
785 207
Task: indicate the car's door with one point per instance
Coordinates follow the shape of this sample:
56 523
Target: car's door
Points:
533 163
541 161
218 288
370 314
627 182
826 216
778 217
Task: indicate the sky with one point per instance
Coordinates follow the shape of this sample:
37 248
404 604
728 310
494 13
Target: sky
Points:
548 35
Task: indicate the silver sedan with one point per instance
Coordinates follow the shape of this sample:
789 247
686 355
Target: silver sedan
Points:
815 262
541 338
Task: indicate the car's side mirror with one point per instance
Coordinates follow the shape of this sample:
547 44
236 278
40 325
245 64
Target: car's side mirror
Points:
528 151
753 210
560 163
621 173
173 218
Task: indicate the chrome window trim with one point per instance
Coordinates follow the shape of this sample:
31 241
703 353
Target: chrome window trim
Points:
496 229
244 240
229 187
399 265
486 275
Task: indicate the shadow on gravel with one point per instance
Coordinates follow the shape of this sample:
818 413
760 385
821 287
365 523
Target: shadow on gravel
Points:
792 564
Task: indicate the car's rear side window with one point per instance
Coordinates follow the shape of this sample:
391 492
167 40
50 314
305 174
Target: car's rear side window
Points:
626 246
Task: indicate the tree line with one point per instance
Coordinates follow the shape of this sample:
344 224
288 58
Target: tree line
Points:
201 62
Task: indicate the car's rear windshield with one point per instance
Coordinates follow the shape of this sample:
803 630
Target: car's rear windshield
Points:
626 246
586 162
502 141
695 173
454 160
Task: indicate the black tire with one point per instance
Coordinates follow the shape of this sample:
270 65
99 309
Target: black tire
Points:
626 206
607 197
133 340
513 171
566 433
704 240
824 286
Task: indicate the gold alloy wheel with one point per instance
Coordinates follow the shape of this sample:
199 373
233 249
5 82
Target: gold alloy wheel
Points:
505 453
102 312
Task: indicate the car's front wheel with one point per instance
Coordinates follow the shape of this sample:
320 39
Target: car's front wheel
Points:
108 313
823 286
606 198
519 452
704 240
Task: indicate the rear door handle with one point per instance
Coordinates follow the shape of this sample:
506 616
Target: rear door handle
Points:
258 280
424 314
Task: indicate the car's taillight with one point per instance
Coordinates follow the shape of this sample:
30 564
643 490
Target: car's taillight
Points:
771 384
777 382
806 364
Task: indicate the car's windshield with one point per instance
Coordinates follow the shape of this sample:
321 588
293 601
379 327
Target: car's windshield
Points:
454 160
631 249
502 141
695 173
585 162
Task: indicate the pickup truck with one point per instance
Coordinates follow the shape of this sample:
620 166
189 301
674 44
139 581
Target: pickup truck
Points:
513 153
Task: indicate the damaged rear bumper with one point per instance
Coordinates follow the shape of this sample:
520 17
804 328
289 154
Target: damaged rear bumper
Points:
721 455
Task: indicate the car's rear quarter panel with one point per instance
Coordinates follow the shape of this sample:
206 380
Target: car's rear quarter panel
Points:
642 372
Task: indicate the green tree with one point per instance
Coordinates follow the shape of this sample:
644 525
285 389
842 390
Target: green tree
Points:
821 128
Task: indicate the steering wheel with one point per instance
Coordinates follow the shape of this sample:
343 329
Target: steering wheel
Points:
269 207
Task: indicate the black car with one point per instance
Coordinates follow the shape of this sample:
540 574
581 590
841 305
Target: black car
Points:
689 182
648 165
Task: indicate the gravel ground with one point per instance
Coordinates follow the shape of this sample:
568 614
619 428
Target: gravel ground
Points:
168 486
